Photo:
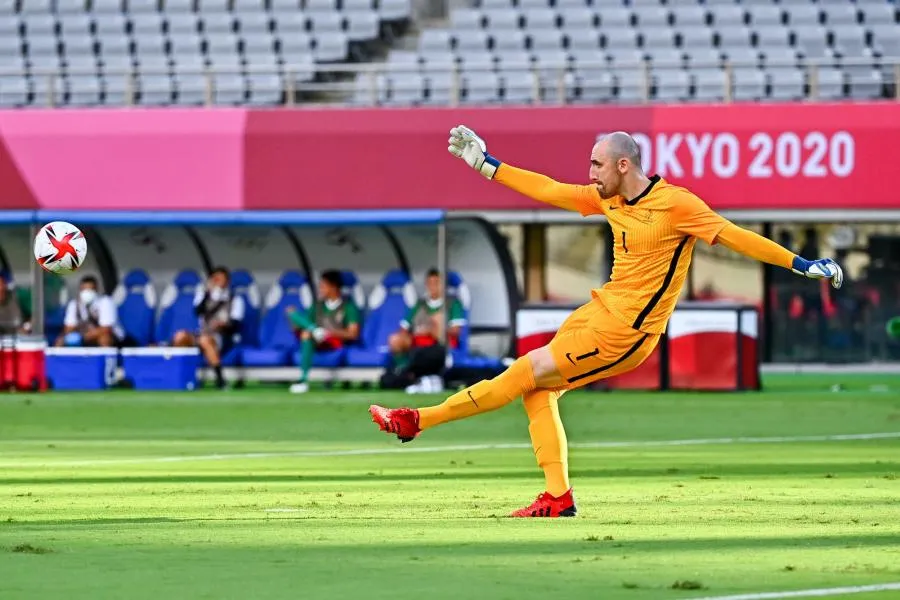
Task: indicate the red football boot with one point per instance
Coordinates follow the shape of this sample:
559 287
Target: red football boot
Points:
402 421
548 506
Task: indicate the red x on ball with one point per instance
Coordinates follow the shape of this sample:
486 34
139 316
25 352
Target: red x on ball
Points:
63 248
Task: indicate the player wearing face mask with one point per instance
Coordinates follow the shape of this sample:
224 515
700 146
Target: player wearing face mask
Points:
91 318
219 316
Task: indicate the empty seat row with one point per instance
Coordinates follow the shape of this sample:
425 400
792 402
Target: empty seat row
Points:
404 60
151 90
123 53
300 64
685 13
399 9
674 5
580 18
362 26
600 85
631 59
850 39
175 44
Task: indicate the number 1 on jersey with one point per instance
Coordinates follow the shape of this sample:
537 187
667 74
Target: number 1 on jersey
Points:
624 245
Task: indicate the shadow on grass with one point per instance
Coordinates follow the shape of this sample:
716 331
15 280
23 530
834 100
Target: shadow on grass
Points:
541 548
886 470
621 546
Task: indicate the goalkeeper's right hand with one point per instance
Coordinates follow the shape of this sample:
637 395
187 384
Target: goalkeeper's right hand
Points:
465 144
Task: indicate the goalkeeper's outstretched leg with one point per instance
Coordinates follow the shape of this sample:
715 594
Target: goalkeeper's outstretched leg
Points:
590 345
517 380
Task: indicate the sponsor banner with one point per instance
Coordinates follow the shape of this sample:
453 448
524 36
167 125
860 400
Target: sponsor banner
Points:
750 157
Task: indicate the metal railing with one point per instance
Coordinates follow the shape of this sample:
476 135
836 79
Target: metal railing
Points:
316 84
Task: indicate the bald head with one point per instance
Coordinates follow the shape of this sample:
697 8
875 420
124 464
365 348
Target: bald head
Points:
616 166
618 145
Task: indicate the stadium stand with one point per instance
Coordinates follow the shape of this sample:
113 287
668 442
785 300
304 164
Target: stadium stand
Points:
763 44
260 52
109 52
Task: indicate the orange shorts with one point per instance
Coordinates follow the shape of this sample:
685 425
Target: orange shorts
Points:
592 344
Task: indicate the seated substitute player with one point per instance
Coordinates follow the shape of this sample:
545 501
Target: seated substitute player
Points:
219 316
416 348
91 319
655 225
330 323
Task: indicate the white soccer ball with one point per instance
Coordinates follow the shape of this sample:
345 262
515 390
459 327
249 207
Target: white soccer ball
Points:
60 247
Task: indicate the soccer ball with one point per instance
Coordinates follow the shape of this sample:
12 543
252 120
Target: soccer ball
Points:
60 247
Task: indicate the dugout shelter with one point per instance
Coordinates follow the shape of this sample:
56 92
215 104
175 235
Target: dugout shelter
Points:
380 252
151 261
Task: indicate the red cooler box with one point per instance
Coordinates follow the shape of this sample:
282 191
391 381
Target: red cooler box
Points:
708 346
23 363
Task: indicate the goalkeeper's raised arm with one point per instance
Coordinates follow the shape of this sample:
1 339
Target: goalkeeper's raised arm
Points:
755 246
693 217
466 145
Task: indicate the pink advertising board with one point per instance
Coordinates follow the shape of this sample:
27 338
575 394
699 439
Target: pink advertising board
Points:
789 156
122 159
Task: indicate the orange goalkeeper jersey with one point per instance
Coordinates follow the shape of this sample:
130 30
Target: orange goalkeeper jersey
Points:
654 238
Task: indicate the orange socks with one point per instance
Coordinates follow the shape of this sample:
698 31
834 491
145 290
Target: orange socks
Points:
548 439
547 434
482 397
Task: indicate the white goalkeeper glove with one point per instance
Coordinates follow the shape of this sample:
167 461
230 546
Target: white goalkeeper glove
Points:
823 268
465 144
319 334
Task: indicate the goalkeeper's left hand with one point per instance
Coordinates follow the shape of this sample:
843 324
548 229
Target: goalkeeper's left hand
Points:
823 268
465 144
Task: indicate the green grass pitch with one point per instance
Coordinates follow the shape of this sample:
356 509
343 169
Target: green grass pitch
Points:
257 494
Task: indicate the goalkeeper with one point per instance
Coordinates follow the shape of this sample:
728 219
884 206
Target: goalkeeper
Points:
655 226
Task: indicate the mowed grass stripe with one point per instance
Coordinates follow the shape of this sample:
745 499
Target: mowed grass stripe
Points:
847 437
